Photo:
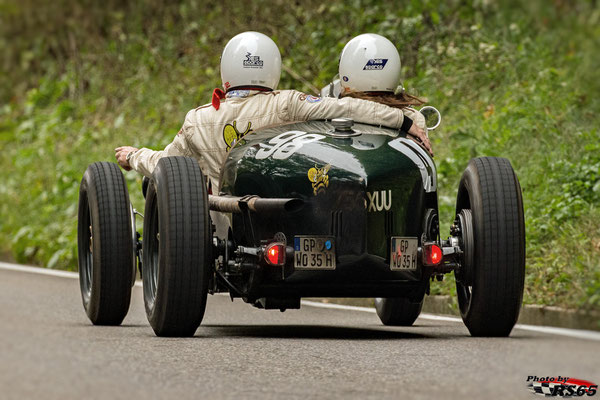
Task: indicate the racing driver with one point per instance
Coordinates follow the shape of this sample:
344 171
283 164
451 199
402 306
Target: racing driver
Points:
250 71
369 69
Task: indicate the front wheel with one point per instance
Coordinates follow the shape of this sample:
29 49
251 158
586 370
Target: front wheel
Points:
177 247
491 226
397 311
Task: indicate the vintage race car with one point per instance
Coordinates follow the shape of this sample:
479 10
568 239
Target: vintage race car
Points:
314 209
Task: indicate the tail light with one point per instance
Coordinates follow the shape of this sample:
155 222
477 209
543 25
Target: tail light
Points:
275 254
432 254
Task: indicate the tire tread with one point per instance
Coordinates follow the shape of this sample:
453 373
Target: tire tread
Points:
500 239
105 189
183 279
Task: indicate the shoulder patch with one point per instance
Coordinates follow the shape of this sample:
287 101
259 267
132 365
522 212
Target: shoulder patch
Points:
231 135
309 98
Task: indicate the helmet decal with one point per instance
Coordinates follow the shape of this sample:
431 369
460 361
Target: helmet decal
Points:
375 64
252 61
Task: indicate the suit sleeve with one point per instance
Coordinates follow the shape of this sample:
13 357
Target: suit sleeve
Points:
144 160
302 107
416 116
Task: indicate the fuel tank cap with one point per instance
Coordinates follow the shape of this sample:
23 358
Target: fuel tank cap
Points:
342 124
342 127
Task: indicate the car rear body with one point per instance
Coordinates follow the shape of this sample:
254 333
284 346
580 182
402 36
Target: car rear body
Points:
360 190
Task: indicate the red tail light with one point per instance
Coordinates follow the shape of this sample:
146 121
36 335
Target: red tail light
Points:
432 254
275 254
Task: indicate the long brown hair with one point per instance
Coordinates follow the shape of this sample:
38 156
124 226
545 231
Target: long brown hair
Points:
400 100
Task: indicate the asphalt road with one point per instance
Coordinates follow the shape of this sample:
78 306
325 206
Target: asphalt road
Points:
49 350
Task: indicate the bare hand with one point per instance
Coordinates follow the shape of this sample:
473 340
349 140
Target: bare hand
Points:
421 136
121 156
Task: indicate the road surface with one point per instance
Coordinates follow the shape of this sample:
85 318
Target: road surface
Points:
49 350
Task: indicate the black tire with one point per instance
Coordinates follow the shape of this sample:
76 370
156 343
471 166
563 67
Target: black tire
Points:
177 247
397 311
105 253
491 293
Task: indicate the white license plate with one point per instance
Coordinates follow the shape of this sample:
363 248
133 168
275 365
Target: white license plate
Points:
314 252
403 255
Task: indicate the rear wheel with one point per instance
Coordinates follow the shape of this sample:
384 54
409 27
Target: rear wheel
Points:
491 227
105 248
397 311
177 247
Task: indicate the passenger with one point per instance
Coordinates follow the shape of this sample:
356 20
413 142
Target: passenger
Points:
250 71
370 70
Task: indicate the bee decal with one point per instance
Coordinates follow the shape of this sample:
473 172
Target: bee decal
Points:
319 178
232 136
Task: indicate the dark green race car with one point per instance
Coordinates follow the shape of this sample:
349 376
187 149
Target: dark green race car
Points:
315 209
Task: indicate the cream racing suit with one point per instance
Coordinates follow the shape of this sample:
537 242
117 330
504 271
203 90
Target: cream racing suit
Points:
209 131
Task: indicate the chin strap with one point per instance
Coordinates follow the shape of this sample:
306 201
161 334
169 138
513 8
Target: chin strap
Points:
217 96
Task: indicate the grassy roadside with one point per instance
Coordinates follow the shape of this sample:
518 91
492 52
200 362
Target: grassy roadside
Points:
512 80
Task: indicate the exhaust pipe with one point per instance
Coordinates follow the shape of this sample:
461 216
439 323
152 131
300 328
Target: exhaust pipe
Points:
233 204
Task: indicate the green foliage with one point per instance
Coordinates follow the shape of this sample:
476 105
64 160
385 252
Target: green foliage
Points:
512 79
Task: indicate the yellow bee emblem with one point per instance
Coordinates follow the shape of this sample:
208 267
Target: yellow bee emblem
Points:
319 178
231 135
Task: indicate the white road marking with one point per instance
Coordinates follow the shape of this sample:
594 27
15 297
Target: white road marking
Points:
575 333
336 306
45 271
38 270
372 310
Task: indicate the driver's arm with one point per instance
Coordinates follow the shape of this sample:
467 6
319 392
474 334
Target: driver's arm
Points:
415 115
301 107
144 160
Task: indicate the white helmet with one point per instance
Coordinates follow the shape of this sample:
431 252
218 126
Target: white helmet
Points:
250 59
370 63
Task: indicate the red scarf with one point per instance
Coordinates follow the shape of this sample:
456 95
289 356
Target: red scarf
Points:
217 96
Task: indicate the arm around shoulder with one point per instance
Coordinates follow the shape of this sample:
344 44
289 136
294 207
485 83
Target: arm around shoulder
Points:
304 107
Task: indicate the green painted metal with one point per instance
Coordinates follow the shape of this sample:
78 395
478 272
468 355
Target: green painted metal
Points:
358 174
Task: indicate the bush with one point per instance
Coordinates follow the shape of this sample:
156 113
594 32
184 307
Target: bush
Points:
511 79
